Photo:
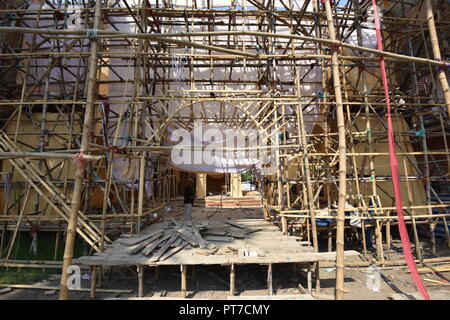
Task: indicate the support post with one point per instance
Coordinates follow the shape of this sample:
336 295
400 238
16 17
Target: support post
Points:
93 281
140 271
232 279
437 53
339 294
183 280
269 280
79 177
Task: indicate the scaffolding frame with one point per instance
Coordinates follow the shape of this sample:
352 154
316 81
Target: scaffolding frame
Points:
36 44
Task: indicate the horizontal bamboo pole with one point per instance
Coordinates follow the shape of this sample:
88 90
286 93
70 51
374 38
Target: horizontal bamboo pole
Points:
181 11
31 286
371 217
388 263
359 209
165 37
45 155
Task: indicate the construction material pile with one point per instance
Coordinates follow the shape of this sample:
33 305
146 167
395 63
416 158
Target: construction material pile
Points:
162 243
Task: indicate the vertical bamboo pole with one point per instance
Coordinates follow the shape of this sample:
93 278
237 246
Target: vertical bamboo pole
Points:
437 53
141 191
368 127
93 281
183 280
269 280
79 177
232 279
339 293
140 271
309 186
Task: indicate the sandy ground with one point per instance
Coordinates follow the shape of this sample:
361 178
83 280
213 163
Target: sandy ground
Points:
211 282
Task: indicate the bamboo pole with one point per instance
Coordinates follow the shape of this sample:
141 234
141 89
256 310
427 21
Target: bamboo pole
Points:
437 54
87 128
339 293
232 279
309 186
166 38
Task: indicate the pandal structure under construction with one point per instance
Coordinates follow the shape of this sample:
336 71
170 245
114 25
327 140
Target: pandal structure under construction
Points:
351 97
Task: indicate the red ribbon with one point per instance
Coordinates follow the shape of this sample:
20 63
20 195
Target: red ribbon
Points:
393 163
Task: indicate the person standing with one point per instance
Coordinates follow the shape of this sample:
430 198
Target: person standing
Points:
188 199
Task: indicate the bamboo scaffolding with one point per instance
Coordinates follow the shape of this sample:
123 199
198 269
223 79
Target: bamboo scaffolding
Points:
257 67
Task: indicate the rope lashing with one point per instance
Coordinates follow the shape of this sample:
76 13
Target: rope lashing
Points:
368 132
332 2
128 139
440 5
11 16
419 133
78 159
92 34
316 19
59 15
335 48
445 65
34 228
321 94
115 149
362 67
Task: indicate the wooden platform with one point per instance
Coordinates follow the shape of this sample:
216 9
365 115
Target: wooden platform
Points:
268 244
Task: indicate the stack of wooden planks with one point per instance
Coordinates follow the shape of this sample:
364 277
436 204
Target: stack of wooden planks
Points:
233 202
162 243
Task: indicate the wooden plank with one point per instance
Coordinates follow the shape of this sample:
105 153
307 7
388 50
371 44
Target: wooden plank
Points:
138 247
220 239
187 236
173 251
213 232
231 223
31 286
151 231
238 234
164 248
152 246
177 242
5 290
202 243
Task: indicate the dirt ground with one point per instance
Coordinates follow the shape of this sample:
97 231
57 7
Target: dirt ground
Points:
211 282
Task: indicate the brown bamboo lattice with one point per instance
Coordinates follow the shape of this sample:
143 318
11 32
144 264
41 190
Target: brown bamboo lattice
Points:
86 112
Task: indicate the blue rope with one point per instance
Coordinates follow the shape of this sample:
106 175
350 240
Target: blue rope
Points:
92 34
